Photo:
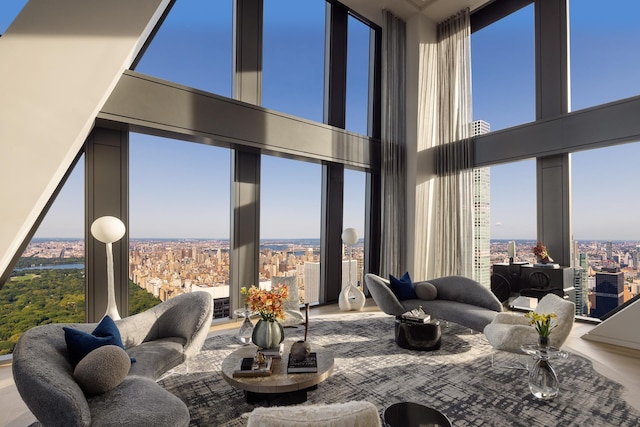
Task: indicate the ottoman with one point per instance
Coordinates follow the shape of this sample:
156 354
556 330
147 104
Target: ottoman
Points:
416 335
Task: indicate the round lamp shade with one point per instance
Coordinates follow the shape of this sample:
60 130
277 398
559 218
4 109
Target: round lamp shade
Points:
108 229
350 236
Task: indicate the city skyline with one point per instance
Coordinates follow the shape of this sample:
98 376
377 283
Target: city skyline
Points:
602 70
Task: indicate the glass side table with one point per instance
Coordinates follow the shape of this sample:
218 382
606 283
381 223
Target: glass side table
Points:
543 380
246 328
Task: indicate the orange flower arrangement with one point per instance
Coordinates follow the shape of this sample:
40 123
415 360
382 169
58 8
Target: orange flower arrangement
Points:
268 304
540 251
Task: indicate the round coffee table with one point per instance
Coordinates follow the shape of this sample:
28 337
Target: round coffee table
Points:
278 388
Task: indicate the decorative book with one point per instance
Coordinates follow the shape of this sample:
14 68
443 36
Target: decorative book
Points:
309 364
247 367
416 315
275 352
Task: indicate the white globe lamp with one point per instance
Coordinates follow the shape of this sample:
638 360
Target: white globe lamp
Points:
350 298
109 229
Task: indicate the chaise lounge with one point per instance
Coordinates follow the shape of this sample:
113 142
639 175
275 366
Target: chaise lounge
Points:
158 339
456 299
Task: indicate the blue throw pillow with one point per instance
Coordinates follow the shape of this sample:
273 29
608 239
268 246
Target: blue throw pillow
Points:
402 287
80 343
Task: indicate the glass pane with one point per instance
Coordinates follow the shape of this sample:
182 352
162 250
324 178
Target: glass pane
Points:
354 217
179 220
9 9
605 52
502 55
293 57
48 283
605 229
513 210
357 107
193 46
290 224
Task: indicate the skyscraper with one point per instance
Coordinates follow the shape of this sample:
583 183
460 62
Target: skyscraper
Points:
609 291
481 215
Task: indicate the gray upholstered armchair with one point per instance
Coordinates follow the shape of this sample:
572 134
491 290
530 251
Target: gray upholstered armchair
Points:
458 299
159 339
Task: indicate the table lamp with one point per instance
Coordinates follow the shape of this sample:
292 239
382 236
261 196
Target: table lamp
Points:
109 229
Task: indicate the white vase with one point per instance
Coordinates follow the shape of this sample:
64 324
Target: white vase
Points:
351 298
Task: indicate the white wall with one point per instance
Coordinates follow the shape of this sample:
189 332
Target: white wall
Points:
60 61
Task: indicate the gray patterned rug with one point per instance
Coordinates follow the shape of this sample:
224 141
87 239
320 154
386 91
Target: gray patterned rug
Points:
457 379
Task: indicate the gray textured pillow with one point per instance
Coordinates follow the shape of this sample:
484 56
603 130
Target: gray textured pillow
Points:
102 369
426 291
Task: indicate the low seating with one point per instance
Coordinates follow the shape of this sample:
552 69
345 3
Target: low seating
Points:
459 300
158 339
509 331
349 414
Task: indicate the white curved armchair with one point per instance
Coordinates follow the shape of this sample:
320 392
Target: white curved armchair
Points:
509 331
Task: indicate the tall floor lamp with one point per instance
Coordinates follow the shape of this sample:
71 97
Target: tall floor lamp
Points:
109 229
350 298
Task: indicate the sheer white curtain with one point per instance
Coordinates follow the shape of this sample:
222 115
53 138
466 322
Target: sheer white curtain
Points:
393 170
444 203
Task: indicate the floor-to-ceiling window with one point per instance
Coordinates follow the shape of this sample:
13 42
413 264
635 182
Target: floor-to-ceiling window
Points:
193 46
604 63
353 216
179 221
504 96
605 230
48 284
358 72
293 57
290 223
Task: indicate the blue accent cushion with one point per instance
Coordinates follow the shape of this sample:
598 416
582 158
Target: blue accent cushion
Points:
80 343
402 287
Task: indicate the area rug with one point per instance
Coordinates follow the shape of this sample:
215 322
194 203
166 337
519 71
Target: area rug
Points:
457 379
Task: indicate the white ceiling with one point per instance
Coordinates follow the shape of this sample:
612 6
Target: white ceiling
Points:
436 10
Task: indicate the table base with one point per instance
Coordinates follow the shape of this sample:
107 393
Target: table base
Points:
279 399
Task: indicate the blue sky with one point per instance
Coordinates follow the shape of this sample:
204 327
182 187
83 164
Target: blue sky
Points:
182 190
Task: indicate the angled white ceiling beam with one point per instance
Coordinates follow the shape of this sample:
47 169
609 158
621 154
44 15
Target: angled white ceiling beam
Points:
60 61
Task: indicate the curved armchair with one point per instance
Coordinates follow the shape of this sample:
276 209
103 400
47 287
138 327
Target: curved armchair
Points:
159 339
509 331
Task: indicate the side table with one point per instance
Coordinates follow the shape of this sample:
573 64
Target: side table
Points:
543 380
416 335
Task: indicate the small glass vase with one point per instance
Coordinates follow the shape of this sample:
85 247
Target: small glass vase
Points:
543 381
246 328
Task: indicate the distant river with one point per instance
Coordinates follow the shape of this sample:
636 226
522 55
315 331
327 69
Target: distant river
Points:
54 267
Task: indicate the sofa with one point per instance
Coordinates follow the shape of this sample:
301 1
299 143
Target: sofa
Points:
456 299
155 341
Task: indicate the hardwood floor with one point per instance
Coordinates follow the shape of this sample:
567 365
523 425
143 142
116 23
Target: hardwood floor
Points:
617 363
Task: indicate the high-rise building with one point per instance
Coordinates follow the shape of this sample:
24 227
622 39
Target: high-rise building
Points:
311 282
582 273
481 215
609 249
609 291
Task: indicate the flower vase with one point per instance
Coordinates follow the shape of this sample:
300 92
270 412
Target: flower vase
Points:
543 341
246 328
267 334
543 381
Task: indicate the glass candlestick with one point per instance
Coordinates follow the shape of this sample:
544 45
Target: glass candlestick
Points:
246 328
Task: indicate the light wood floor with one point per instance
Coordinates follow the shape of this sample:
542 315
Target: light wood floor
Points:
617 363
